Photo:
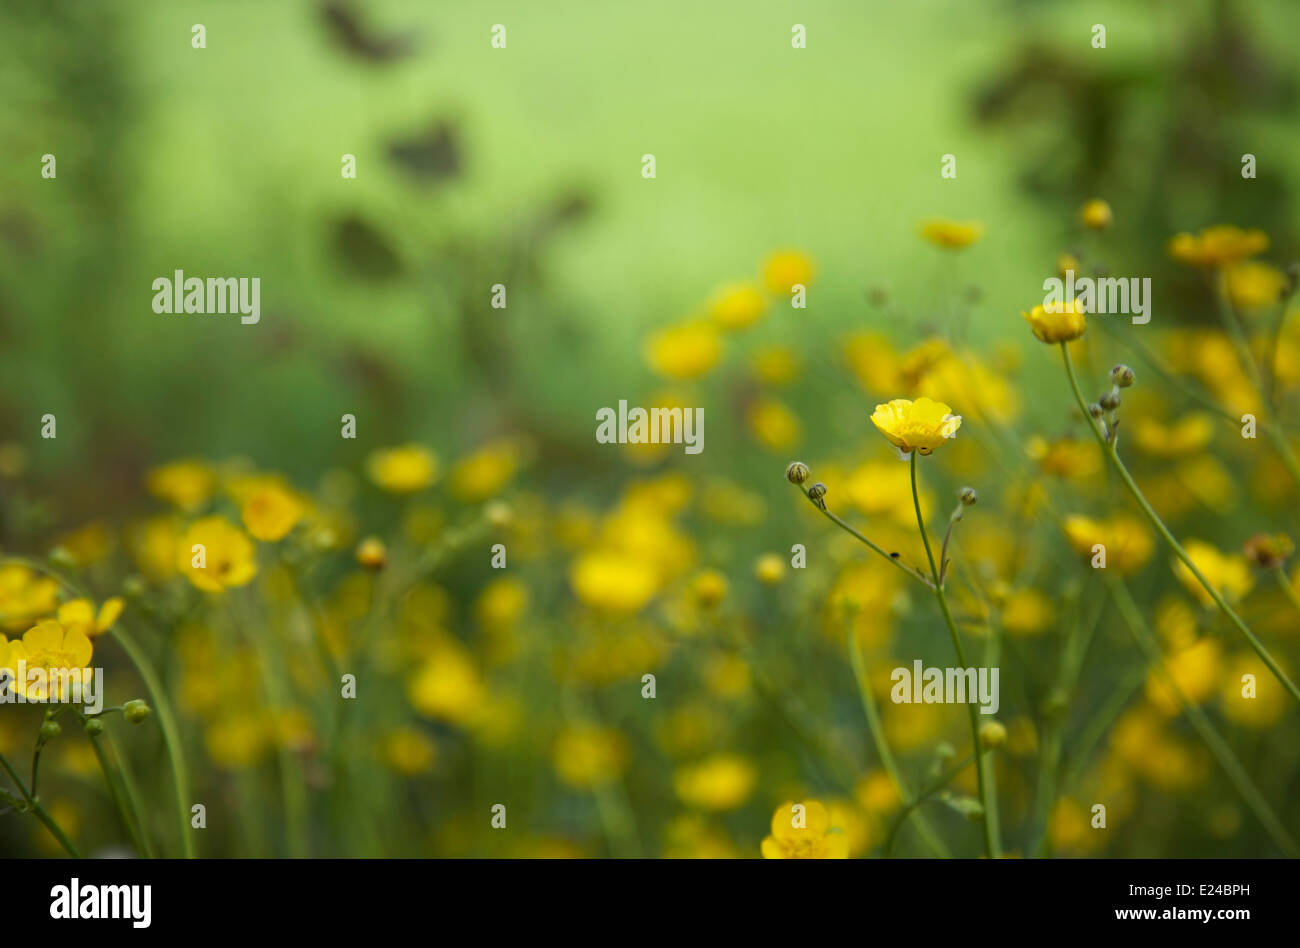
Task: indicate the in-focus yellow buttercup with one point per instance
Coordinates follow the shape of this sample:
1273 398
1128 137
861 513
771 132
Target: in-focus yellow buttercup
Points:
51 647
804 831
1062 322
920 425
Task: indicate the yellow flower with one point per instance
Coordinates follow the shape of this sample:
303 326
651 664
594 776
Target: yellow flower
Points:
1188 435
684 352
782 270
803 831
226 557
719 782
770 569
1096 214
1228 573
403 470
614 582
1217 246
1254 285
588 756
152 543
1194 669
186 484
502 603
270 509
1128 544
1026 612
88 544
1065 457
1060 323
1065 263
447 685
775 365
1258 703
709 588
738 306
775 426
484 473
79 615
59 651
409 751
921 425
372 554
877 793
951 235
25 596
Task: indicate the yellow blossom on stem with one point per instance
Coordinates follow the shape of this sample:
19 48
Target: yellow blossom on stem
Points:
1061 322
79 615
56 650
1227 573
803 831
403 470
1217 246
215 555
951 235
920 425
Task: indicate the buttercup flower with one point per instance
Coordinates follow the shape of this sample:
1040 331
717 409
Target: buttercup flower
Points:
720 782
920 425
684 352
186 484
227 558
1060 323
952 235
1254 285
736 307
1096 214
1227 573
25 596
1217 246
1127 540
403 470
51 647
79 615
803 831
270 509
784 269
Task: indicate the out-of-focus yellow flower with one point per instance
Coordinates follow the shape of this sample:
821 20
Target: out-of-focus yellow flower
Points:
804 831
884 489
873 361
79 615
87 544
720 782
447 686
186 484
709 588
1227 572
920 425
1188 435
1064 457
152 543
1065 263
1027 612
404 469
877 793
1217 246
269 508
783 269
775 365
60 653
239 739
1061 322
501 604
588 756
1258 701
684 352
1195 670
727 675
1069 827
775 426
409 751
1127 540
738 306
770 569
614 582
951 235
1175 622
1254 285
227 558
372 554
1096 214
25 595
869 589
486 472
1268 550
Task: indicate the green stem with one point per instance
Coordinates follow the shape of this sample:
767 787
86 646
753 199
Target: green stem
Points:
926 793
909 570
166 719
923 827
118 795
1246 787
1112 455
39 811
1287 588
988 795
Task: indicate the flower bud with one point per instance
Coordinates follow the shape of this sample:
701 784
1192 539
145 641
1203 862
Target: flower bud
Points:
816 493
135 711
993 734
1122 376
372 554
797 472
1110 401
968 496
62 557
133 588
498 514
1095 410
94 727
49 729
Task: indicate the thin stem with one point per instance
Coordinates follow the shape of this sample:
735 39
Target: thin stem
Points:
1237 774
988 796
39 811
117 794
1112 455
926 793
1287 588
923 827
909 570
